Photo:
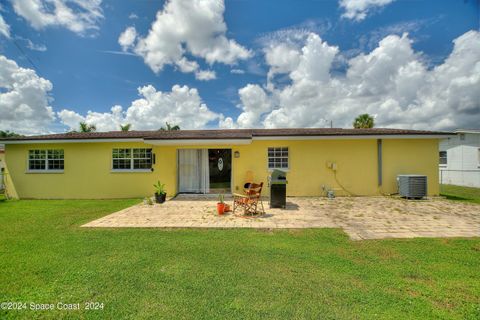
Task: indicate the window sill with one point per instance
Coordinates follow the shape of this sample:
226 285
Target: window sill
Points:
281 169
130 171
44 171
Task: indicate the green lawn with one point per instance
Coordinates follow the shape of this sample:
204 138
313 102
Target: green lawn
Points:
460 193
45 257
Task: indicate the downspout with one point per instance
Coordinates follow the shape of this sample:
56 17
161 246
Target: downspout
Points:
379 162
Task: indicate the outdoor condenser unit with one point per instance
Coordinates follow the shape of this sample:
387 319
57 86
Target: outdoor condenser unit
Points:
412 186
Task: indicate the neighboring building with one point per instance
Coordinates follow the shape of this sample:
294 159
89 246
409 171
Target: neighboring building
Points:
2 156
2 164
460 159
127 164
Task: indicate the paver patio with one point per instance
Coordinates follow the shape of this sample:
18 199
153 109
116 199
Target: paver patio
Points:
360 217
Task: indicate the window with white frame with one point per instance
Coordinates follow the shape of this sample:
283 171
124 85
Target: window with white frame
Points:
132 159
278 158
46 160
443 157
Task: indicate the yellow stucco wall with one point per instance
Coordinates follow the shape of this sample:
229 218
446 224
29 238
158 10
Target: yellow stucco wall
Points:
356 162
88 173
2 160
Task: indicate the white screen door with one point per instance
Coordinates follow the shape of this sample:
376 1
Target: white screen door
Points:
193 172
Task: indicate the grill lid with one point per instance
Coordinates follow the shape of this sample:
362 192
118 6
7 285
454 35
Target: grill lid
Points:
278 177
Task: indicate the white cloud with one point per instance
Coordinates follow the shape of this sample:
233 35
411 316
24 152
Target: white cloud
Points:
182 105
78 16
4 27
70 118
254 103
358 9
205 75
127 38
237 71
392 82
189 27
282 58
24 100
133 16
33 46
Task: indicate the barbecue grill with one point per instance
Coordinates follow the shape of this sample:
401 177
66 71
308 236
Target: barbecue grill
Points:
278 189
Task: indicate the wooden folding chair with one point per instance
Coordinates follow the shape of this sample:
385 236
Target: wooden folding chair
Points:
250 200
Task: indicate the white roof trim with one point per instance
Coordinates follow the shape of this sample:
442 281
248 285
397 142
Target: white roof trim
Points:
467 131
359 137
71 141
196 142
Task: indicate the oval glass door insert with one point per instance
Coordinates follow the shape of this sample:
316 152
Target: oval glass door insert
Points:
220 164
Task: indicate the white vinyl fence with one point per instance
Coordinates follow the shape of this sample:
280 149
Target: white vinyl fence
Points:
466 178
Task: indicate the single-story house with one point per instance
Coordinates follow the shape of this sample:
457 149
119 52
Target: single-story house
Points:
127 164
460 158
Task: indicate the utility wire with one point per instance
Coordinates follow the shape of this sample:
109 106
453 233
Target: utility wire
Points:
24 54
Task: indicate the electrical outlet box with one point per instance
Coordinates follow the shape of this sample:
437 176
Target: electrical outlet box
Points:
332 165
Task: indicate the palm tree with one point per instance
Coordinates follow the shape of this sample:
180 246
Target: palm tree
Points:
126 127
84 127
169 127
364 121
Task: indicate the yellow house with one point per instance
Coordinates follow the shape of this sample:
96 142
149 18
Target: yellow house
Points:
127 164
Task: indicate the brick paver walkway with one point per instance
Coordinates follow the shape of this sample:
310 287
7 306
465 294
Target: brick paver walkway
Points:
360 217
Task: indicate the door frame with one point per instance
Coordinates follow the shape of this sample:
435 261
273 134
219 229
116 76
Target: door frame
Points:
177 169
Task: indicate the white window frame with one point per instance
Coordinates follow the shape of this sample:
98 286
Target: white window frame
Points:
132 158
275 149
47 169
446 158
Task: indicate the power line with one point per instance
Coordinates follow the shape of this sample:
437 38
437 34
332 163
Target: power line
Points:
24 54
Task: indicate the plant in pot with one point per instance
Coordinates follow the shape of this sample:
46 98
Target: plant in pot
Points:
220 205
160 193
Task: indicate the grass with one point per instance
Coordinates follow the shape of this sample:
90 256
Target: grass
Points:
460 193
46 257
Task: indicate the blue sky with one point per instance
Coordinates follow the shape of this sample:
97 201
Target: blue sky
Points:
89 71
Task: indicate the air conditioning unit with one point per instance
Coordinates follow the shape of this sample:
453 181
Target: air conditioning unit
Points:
412 186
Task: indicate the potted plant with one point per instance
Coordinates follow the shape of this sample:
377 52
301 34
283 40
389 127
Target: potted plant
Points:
160 193
220 205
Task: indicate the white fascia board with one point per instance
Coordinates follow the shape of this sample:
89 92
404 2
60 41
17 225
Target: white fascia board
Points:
467 131
71 141
360 137
197 142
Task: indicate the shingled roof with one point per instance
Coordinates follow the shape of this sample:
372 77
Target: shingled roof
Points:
226 134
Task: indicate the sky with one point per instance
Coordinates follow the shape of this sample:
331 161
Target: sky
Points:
238 64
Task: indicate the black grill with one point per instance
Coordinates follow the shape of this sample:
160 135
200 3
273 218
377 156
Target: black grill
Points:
278 189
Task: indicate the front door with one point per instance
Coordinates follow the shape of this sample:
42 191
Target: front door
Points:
220 167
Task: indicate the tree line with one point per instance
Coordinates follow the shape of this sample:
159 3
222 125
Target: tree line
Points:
361 122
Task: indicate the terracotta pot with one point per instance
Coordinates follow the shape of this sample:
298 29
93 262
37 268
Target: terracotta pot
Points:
227 208
220 208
